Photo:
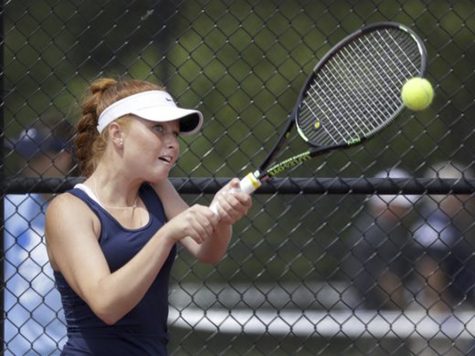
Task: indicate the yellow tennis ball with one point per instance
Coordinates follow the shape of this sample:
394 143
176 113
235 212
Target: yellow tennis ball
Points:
417 93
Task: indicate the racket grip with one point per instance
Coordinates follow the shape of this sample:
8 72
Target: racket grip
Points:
248 185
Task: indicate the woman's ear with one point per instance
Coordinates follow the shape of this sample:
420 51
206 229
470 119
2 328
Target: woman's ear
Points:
116 134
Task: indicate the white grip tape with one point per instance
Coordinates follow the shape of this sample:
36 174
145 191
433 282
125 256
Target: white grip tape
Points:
248 185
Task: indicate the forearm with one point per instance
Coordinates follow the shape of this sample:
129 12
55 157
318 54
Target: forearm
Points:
214 249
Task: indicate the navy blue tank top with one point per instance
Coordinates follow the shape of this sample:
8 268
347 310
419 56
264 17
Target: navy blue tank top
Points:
142 331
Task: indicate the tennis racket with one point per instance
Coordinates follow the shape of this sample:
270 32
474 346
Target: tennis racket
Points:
352 94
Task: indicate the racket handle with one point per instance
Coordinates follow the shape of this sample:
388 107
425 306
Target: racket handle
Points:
248 185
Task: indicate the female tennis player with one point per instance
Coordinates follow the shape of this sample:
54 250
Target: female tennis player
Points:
112 239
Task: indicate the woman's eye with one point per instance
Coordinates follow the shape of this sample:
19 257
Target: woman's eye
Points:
161 130
158 128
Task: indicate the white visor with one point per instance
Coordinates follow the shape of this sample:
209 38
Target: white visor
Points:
152 105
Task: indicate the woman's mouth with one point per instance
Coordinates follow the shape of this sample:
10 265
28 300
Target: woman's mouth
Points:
165 158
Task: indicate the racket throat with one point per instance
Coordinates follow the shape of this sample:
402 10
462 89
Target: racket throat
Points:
286 164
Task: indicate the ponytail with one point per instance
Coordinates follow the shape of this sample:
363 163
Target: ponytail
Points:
89 144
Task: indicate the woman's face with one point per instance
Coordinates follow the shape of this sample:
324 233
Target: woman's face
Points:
151 148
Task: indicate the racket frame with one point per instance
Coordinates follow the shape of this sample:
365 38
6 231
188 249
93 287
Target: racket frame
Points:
263 172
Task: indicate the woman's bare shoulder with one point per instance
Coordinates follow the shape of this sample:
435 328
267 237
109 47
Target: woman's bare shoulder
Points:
70 210
65 201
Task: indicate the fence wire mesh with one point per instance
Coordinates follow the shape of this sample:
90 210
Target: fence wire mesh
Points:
307 273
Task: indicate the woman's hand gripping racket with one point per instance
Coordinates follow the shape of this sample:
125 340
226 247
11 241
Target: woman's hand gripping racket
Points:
352 93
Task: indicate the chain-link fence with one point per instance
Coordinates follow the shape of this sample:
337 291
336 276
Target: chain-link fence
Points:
321 265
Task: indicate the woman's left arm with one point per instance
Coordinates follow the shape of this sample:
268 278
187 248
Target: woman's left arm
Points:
233 205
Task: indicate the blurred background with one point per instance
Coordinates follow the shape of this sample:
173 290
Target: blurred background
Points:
307 274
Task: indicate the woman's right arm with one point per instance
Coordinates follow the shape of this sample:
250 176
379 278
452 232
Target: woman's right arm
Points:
72 241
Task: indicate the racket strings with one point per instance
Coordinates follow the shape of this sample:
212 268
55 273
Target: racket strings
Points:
356 92
369 80
376 83
357 83
352 111
332 97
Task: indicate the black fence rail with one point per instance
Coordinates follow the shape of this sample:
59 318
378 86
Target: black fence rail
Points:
381 186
